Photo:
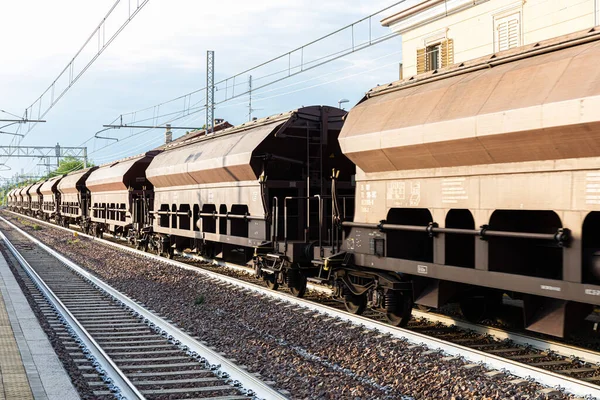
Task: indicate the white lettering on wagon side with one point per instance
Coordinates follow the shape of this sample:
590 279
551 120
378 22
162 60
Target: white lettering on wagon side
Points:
453 190
367 197
552 288
592 188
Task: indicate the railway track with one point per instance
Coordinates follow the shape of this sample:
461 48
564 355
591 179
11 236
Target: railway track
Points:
558 366
125 350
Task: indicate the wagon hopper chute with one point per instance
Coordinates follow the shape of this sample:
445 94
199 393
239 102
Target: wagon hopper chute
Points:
226 193
120 195
481 179
75 198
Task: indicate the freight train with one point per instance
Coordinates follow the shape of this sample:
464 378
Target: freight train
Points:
468 185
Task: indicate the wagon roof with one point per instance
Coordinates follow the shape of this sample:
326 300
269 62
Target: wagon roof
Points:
111 176
474 112
224 156
49 187
23 191
35 188
69 183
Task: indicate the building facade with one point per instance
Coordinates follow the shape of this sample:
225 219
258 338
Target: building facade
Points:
437 33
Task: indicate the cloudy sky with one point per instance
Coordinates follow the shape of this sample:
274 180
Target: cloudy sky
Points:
161 54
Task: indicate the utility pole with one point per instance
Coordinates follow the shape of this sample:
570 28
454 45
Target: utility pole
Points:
210 91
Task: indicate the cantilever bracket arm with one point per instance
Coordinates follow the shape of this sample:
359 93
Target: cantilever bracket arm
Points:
104 137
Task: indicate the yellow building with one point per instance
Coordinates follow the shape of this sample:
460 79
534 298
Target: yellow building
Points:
436 33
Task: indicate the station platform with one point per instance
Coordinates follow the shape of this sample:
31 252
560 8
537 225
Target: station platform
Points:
29 367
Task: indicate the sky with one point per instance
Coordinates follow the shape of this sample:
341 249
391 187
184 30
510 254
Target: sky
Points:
161 55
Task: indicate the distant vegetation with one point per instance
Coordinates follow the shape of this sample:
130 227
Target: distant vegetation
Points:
66 165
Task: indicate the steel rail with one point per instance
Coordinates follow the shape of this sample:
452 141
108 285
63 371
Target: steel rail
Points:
247 380
544 377
121 382
562 349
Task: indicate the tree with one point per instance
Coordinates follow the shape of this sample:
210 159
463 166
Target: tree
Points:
69 164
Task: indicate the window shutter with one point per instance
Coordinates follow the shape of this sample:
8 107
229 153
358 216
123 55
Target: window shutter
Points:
508 32
447 52
513 33
421 60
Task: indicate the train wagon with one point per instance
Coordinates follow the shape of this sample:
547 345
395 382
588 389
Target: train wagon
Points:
75 199
14 198
51 199
22 201
119 193
36 198
481 180
258 187
10 199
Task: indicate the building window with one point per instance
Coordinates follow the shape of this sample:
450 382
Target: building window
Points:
507 32
435 56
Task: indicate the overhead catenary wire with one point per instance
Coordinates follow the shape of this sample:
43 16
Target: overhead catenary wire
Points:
199 109
304 65
49 95
258 99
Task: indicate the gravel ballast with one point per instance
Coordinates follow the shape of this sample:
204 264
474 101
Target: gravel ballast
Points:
309 355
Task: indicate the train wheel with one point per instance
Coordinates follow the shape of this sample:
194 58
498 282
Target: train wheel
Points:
355 304
296 282
271 281
399 307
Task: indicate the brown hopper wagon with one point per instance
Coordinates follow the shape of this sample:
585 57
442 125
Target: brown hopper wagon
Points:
11 199
483 179
36 198
23 199
261 185
120 195
75 198
51 199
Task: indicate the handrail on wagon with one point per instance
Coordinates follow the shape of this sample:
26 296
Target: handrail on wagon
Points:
562 236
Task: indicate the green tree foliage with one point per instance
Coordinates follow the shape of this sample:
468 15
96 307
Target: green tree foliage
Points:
69 164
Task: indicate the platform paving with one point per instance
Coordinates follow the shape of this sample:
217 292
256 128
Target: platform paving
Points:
29 367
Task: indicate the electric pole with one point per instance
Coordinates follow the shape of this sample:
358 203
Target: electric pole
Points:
250 98
210 91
